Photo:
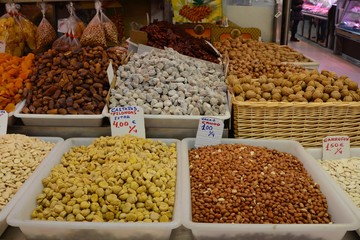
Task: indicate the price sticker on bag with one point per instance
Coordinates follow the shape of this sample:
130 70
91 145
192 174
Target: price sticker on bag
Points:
2 46
127 120
210 131
336 147
3 122
63 25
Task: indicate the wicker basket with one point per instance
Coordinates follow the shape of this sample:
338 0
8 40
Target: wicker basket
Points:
307 123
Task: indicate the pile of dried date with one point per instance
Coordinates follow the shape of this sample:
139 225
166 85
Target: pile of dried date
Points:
72 82
164 34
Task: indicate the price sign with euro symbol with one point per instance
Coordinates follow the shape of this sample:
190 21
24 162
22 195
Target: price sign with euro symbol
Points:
210 131
127 120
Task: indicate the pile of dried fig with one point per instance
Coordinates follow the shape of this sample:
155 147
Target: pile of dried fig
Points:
309 86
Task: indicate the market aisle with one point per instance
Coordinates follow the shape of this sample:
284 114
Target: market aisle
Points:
326 58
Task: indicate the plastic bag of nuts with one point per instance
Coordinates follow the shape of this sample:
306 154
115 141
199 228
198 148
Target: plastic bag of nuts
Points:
111 33
94 34
69 40
45 33
75 20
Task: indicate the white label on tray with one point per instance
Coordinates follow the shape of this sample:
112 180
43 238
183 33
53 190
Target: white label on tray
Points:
3 122
62 25
336 147
127 120
2 46
110 72
210 131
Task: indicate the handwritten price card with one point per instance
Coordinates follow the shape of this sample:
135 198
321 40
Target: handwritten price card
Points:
127 120
210 131
3 122
336 147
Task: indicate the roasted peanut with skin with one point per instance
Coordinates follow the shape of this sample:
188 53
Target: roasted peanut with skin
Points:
235 183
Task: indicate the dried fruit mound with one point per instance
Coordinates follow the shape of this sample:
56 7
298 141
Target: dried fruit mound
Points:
14 72
164 34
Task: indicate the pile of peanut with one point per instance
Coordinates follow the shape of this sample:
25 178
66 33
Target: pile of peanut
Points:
19 157
235 183
114 179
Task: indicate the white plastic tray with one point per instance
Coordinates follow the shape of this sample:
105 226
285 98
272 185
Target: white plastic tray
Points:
58 120
175 121
11 118
354 152
341 214
6 210
34 229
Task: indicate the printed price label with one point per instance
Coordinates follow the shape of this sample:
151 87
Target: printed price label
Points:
209 132
62 25
127 120
3 122
110 72
336 147
2 46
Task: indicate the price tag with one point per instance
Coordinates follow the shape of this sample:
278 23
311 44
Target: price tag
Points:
63 25
210 131
3 122
336 147
2 46
110 72
127 120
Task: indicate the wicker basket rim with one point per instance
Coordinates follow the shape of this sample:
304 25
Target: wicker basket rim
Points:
296 104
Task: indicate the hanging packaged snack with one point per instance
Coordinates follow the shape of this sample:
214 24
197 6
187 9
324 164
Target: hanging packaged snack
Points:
29 32
45 33
12 40
118 20
79 25
111 33
68 41
94 34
